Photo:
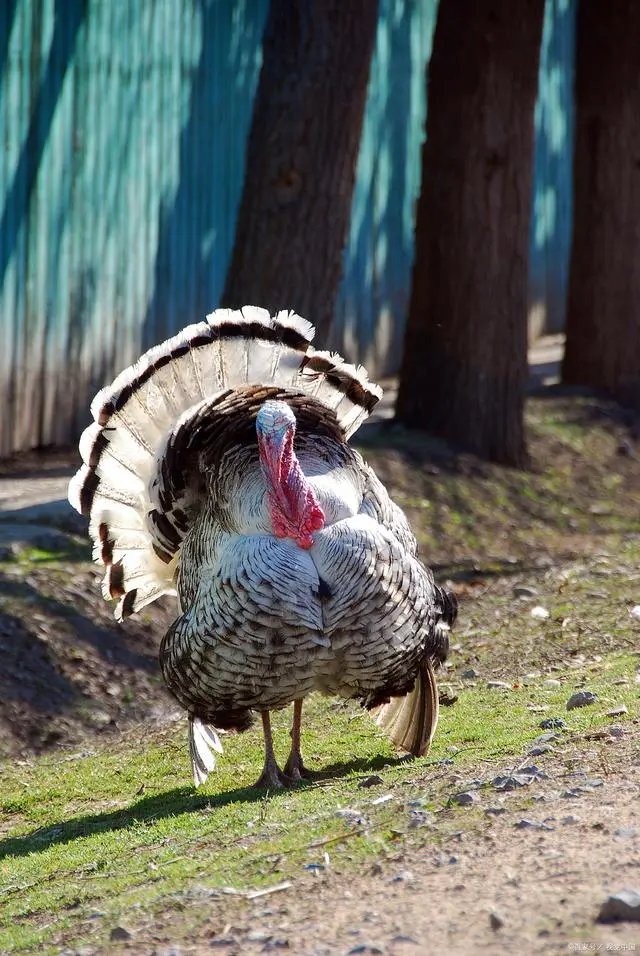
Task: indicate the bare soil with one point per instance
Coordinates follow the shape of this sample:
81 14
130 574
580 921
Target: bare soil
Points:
490 886
71 676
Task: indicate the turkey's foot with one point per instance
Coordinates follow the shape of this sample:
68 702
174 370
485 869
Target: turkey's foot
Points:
272 778
295 768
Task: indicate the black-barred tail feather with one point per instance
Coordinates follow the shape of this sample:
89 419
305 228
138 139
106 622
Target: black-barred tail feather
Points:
136 537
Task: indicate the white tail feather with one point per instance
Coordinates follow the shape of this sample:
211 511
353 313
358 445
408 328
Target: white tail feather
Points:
203 740
411 720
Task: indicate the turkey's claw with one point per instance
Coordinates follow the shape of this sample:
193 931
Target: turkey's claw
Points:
272 778
295 769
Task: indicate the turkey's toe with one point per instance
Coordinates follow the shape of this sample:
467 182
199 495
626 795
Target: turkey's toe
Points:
295 768
272 778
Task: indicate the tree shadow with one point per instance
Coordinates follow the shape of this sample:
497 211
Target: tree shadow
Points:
68 19
374 294
111 643
550 230
24 656
196 227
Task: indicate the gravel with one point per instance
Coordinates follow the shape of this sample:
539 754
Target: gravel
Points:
466 799
623 906
553 723
584 698
373 781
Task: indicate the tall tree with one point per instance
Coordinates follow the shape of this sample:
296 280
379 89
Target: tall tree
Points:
465 358
301 157
603 308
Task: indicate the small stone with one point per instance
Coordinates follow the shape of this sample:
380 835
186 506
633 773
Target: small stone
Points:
584 698
541 749
100 718
625 833
532 825
511 782
545 739
635 611
495 811
354 817
552 682
373 781
522 778
623 906
466 799
496 921
553 723
539 613
119 934
615 731
499 684
366 948
469 674
421 818
618 711
570 818
404 876
522 591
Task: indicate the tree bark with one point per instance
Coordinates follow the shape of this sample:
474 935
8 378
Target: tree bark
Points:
465 357
301 157
603 309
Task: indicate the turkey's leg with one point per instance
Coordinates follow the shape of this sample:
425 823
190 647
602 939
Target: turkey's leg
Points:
294 766
272 777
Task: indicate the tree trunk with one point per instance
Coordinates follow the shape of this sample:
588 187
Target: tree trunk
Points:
603 309
301 157
465 359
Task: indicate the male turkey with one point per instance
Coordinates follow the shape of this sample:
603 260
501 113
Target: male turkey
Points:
218 469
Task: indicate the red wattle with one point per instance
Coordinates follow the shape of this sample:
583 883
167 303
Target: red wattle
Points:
293 507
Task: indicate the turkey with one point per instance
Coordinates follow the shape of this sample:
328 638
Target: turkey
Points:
218 470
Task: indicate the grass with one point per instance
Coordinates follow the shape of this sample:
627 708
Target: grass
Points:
89 839
115 833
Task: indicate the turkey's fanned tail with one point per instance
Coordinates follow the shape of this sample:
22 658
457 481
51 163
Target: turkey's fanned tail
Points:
411 720
124 450
203 740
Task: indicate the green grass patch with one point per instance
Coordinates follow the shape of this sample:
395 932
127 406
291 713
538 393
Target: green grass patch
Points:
89 840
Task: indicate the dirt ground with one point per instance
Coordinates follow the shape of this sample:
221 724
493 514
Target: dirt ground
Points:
70 675
496 886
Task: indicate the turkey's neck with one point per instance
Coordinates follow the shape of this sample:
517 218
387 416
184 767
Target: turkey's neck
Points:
293 507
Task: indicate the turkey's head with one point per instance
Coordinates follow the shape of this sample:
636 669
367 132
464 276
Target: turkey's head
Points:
293 506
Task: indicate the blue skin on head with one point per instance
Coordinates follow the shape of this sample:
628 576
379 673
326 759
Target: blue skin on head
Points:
274 423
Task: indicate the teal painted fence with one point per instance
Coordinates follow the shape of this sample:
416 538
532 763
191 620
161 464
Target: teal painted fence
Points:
123 131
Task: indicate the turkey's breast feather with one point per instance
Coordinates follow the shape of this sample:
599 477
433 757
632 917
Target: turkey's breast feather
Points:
265 622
